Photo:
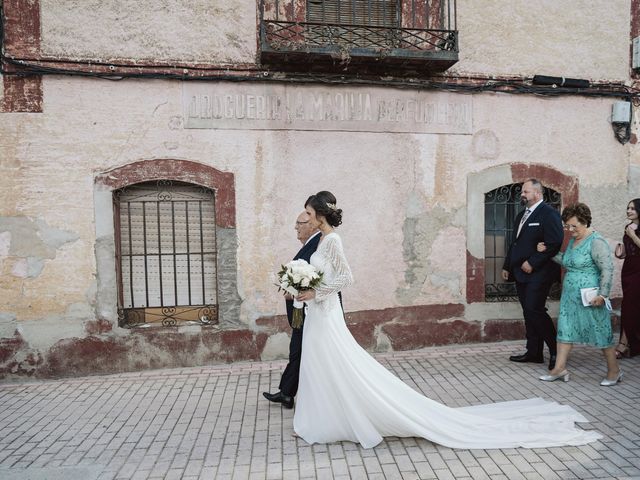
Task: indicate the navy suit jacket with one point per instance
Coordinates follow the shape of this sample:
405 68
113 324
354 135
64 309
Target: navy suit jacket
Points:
543 225
303 254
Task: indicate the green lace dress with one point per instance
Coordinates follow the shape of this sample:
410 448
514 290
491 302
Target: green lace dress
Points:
587 265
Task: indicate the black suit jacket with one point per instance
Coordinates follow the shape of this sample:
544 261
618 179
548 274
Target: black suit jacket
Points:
303 254
543 225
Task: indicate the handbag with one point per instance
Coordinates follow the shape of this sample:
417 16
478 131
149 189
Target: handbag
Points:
620 253
588 294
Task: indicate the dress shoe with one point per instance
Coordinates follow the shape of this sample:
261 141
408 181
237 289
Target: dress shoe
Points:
525 357
564 375
610 383
285 400
552 362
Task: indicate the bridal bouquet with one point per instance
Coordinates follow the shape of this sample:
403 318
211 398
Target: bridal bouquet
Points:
294 277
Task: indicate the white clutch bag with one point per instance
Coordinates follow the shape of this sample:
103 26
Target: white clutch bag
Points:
588 294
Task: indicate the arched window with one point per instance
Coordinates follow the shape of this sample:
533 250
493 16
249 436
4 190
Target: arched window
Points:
501 206
166 254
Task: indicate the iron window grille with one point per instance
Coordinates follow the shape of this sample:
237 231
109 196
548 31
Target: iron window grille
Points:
501 206
405 29
166 254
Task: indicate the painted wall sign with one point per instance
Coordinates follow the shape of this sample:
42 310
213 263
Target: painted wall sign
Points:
357 109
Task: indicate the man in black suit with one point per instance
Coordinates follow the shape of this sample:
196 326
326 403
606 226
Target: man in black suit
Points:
534 272
310 238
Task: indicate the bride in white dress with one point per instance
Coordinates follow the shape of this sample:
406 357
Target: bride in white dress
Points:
345 394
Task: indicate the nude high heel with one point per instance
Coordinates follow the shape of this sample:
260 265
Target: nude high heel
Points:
564 375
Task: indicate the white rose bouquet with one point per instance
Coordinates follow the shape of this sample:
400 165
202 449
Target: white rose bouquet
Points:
294 277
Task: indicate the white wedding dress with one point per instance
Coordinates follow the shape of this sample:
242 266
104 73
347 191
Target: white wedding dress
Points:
345 394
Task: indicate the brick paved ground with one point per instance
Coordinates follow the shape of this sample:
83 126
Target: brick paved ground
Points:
212 422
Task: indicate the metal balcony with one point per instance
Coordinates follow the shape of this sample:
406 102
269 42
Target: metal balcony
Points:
359 36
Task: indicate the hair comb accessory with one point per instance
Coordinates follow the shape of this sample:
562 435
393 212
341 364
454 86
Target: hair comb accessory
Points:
332 206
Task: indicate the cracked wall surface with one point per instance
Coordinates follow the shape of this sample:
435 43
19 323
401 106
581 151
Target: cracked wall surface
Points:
413 202
407 212
30 252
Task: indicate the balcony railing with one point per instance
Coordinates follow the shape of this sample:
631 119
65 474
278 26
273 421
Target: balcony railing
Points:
364 34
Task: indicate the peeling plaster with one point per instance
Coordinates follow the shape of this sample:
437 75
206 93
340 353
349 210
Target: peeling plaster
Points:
29 267
105 286
448 281
43 333
34 267
477 185
448 264
19 268
5 243
420 233
415 205
23 362
437 164
54 237
8 324
37 238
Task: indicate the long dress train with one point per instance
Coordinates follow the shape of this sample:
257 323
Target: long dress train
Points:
345 394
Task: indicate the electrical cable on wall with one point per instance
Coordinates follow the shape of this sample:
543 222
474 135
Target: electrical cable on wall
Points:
537 85
452 84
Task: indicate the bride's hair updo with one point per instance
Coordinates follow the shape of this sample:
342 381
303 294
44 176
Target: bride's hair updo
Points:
324 203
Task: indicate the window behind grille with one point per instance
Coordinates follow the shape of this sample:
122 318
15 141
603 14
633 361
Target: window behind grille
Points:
166 253
500 209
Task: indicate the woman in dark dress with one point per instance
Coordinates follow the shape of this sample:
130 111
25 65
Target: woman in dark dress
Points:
630 312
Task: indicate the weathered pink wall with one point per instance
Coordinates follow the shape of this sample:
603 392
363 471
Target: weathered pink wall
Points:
412 229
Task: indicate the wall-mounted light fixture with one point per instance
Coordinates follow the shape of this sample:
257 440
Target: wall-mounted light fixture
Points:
621 121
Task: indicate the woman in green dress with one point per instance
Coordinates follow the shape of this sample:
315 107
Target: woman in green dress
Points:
588 263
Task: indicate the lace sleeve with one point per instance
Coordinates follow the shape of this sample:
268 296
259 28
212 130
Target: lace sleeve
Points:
558 257
601 254
342 277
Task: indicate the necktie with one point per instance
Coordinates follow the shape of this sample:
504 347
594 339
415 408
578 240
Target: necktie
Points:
527 212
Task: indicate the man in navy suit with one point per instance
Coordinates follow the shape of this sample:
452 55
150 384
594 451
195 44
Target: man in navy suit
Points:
534 272
310 238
